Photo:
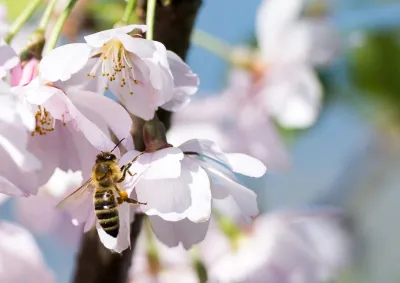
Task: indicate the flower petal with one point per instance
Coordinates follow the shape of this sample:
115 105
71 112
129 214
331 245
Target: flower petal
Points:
294 96
123 240
110 111
24 261
164 163
64 61
8 59
17 150
61 108
141 103
141 47
273 19
184 78
186 83
246 165
245 198
172 233
38 94
175 199
205 147
9 189
98 39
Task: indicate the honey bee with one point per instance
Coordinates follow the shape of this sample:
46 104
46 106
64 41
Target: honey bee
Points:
106 176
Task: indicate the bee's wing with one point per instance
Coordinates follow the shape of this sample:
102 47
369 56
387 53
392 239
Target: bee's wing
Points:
72 199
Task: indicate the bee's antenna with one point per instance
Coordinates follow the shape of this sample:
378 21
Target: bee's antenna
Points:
117 144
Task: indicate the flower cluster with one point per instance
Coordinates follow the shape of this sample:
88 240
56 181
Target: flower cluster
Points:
274 83
64 109
61 119
306 246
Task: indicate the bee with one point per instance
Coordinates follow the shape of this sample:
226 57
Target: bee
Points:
106 176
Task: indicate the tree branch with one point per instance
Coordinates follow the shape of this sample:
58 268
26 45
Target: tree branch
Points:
173 27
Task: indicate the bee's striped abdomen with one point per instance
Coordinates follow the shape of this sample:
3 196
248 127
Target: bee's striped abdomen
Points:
106 210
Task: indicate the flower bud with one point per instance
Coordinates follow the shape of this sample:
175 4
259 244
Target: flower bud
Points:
154 135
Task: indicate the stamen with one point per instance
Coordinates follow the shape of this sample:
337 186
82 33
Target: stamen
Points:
116 65
44 122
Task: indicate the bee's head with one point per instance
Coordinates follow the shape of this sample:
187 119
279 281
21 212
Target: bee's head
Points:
105 156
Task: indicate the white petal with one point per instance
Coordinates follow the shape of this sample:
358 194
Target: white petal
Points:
90 221
142 48
244 197
110 111
8 59
273 19
18 152
23 261
141 103
186 83
98 39
164 163
123 240
294 96
205 147
175 199
90 130
246 165
184 78
64 61
172 233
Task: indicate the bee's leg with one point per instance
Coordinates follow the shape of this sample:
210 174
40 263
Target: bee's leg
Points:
123 197
125 168
134 202
131 201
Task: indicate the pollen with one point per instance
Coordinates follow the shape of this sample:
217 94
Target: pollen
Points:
44 122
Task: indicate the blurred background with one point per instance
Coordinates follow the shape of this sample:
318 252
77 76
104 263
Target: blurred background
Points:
349 158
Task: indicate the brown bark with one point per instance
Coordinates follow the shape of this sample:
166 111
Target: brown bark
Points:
173 27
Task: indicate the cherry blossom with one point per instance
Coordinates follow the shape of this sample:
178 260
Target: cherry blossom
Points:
38 213
305 246
179 183
155 262
290 45
19 166
20 257
23 75
235 120
136 70
72 121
